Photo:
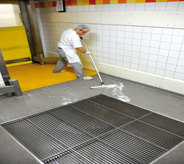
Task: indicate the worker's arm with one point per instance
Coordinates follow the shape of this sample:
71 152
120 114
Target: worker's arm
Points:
81 49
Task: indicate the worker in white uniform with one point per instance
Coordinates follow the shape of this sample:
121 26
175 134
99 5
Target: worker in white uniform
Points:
67 46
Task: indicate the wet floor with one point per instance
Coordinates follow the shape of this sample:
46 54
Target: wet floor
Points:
42 99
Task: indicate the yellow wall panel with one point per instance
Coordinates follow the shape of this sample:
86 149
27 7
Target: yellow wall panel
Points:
79 2
14 44
99 2
46 4
131 1
113 1
140 1
17 53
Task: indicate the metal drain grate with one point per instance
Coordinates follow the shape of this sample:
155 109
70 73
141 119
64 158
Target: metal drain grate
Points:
93 152
102 113
132 146
59 130
81 121
97 130
153 135
165 123
119 106
36 140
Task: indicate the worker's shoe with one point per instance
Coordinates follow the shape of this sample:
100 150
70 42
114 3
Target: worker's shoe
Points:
87 78
63 70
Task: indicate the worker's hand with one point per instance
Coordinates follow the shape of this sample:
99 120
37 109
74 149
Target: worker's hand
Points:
88 53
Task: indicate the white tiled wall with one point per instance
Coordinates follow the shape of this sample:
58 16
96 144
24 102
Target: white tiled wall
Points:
158 51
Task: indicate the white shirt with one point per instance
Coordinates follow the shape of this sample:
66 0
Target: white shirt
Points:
69 41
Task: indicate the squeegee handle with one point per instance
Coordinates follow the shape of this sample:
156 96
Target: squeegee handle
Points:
93 62
96 70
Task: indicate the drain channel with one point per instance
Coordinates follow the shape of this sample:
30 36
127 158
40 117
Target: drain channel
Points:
97 130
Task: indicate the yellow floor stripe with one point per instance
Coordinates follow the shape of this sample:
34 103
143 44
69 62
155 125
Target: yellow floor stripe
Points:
33 76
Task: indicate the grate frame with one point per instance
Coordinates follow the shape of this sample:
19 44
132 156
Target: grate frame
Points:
98 129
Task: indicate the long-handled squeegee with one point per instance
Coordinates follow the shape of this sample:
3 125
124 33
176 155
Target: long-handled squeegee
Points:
102 83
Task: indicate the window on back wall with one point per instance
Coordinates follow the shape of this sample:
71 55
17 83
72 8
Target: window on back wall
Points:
60 6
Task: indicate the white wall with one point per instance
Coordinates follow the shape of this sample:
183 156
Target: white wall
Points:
143 42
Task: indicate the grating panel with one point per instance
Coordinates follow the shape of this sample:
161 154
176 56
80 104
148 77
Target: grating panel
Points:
165 123
102 112
120 106
132 146
35 139
64 133
97 130
98 152
153 135
68 157
93 152
81 121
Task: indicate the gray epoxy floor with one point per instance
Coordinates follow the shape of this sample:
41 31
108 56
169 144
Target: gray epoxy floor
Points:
42 99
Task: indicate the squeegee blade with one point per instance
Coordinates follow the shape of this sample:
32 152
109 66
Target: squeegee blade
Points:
102 86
